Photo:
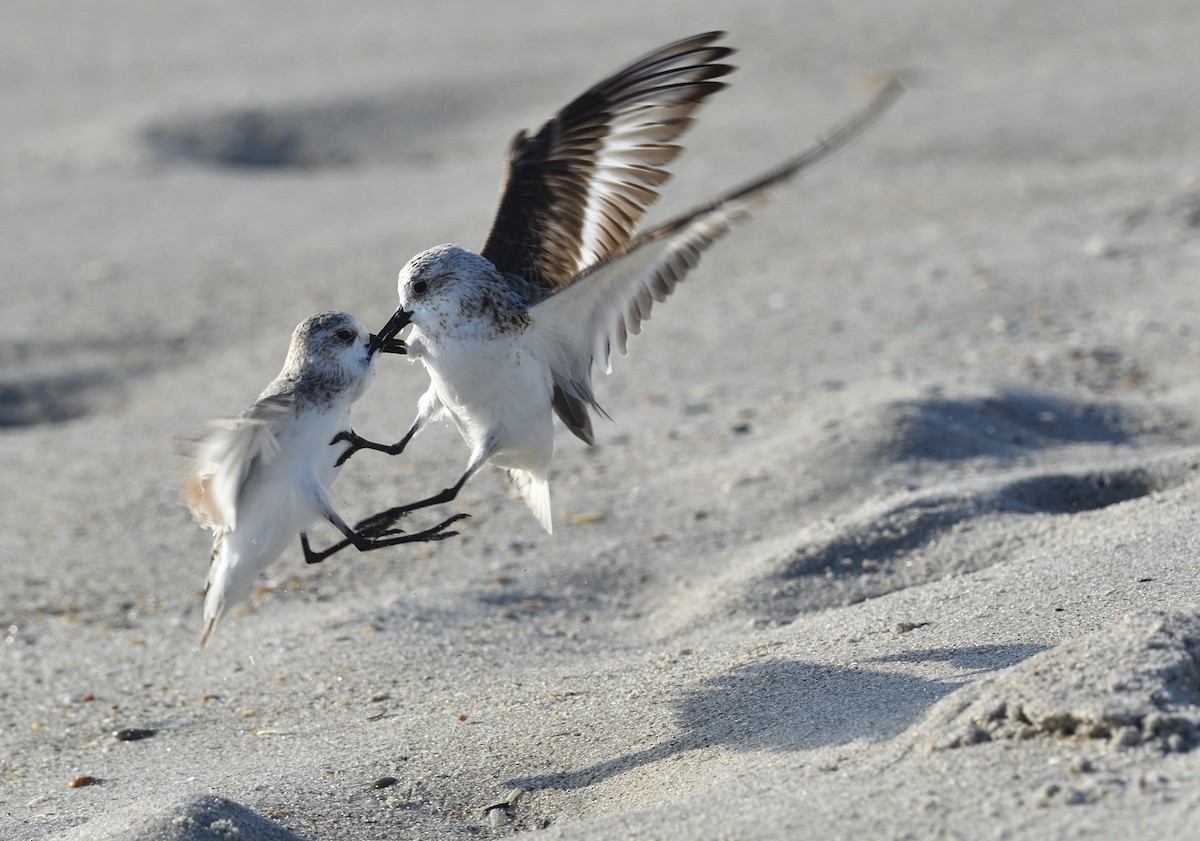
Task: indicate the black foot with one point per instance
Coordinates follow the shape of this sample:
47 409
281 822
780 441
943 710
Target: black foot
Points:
356 443
377 525
378 536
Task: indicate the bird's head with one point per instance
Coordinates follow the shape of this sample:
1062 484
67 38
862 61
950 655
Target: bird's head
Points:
443 289
334 347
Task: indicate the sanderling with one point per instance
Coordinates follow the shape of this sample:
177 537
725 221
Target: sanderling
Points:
512 333
259 480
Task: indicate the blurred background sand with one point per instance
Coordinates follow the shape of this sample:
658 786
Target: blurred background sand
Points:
895 531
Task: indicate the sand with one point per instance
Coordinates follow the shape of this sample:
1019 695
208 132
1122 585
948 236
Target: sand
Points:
894 533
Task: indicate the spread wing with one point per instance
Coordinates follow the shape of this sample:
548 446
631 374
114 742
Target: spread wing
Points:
580 325
576 190
223 456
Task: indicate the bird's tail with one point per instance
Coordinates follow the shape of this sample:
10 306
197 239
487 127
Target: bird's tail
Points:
535 490
208 631
214 587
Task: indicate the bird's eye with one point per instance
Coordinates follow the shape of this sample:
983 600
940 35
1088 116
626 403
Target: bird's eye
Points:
419 287
345 335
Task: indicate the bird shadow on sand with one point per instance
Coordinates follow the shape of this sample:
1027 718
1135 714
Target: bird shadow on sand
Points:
789 705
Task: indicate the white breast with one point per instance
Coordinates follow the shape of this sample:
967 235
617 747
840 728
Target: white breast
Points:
494 387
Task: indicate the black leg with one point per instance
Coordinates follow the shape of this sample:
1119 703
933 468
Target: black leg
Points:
379 538
311 557
357 443
375 523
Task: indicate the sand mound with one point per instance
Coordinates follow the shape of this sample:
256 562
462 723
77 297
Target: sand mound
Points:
960 485
191 818
1134 683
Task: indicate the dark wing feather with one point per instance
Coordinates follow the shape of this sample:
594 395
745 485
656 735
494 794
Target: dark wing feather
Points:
577 189
609 302
574 413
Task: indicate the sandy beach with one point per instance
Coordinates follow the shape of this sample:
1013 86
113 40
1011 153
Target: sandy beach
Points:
895 530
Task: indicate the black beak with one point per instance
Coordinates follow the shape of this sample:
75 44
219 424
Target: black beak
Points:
378 345
386 340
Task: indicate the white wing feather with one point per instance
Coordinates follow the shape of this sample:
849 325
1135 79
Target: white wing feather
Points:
609 301
222 458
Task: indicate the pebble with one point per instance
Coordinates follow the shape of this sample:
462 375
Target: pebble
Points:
384 782
83 780
1099 247
133 734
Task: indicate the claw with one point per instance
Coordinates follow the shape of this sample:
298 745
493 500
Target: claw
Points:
355 445
375 526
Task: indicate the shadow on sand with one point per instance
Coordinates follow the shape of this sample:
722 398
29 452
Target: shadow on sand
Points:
786 705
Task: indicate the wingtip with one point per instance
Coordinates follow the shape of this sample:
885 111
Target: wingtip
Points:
710 37
890 90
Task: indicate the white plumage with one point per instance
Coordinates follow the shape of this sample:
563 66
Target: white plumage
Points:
260 480
511 335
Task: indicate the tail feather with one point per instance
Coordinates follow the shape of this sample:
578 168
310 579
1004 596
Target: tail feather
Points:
214 603
208 631
535 490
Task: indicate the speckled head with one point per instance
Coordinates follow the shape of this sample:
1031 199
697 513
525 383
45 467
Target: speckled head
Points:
330 351
448 288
